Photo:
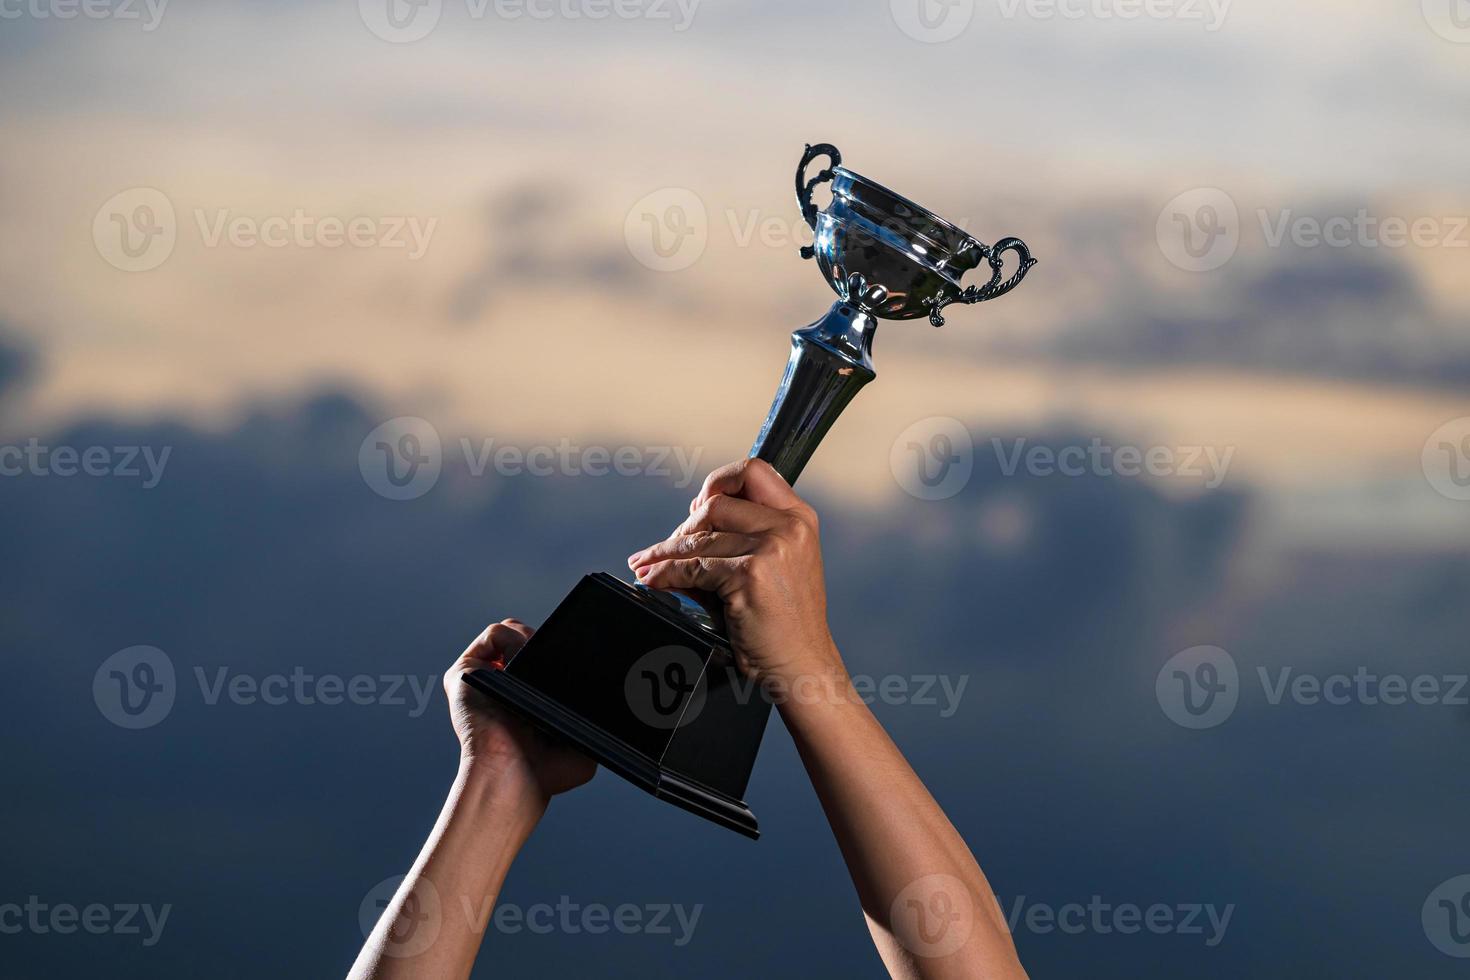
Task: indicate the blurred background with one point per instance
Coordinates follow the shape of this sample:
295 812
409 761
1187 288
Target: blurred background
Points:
321 322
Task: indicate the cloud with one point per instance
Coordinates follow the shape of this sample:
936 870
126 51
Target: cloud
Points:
263 551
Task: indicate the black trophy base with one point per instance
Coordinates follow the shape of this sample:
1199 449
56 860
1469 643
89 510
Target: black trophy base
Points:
620 673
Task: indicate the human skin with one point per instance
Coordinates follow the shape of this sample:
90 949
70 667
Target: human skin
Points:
507 775
753 542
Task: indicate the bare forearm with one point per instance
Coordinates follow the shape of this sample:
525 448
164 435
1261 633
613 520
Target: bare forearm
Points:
435 922
928 905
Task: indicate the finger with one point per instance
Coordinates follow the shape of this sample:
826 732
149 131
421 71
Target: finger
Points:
752 479
710 574
498 643
722 513
705 544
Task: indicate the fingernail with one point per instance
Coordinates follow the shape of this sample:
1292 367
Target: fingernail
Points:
641 572
633 558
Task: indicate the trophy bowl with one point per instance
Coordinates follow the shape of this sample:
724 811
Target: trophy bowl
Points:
890 257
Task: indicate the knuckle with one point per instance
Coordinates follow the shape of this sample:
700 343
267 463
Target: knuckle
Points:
713 508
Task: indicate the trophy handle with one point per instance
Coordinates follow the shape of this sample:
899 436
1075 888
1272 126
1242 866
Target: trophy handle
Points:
995 257
805 187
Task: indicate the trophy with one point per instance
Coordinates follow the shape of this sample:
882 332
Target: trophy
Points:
644 681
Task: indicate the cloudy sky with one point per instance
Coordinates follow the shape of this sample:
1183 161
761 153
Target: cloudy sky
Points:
253 233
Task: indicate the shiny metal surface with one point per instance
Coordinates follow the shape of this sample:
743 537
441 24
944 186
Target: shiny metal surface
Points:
885 257
889 256
830 362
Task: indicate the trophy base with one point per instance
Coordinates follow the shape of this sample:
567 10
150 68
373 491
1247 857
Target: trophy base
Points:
646 691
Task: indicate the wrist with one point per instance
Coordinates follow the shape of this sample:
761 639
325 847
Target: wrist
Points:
503 786
816 676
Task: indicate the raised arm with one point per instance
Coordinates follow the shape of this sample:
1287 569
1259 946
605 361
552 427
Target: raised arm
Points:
507 775
751 540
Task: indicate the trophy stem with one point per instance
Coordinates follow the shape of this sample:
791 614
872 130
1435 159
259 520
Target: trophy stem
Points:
830 362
